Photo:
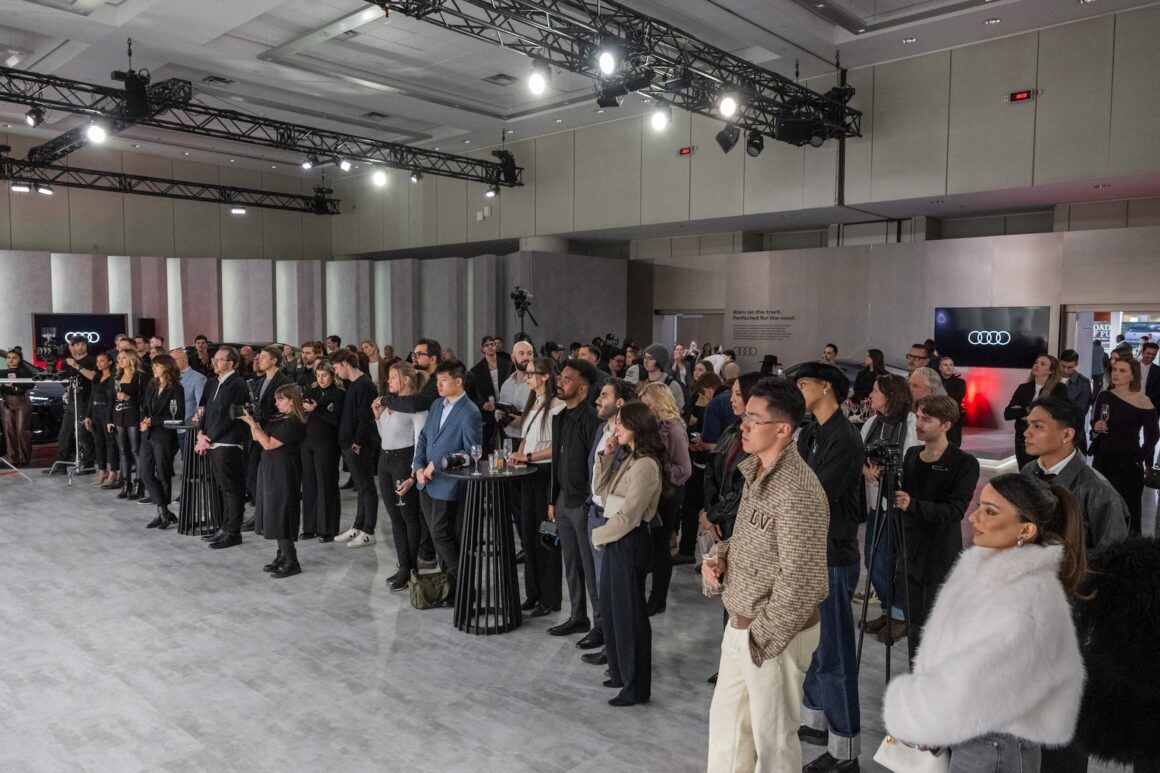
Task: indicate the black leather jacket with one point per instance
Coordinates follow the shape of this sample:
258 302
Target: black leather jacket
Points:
723 486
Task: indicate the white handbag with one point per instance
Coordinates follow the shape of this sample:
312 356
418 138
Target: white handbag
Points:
901 757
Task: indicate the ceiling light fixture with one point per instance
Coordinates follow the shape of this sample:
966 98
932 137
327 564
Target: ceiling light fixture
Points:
754 143
539 77
992 22
607 60
96 133
237 210
727 106
662 114
20 187
492 192
310 161
728 137
35 116
416 176
342 163
44 189
379 178
908 41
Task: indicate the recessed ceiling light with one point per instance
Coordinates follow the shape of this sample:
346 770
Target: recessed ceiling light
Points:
273 166
511 131
819 5
136 145
1086 2
231 161
1102 185
908 41
599 111
185 153
436 148
467 142
559 120
863 29
992 22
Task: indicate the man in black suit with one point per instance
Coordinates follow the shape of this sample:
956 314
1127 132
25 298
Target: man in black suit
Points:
1150 376
223 437
956 388
487 375
269 366
1079 392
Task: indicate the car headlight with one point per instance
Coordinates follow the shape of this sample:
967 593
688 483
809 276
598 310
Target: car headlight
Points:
39 399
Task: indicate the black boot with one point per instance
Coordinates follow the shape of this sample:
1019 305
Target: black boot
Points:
166 517
125 487
288 568
273 565
159 521
135 489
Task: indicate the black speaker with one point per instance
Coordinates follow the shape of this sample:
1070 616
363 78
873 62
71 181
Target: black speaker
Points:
146 326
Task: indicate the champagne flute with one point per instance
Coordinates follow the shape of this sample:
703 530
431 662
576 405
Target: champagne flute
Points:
173 409
476 454
1105 412
399 497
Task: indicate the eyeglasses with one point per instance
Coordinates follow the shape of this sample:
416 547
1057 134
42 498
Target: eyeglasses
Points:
420 354
750 420
913 357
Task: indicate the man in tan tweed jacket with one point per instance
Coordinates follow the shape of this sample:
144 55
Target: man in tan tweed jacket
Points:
771 574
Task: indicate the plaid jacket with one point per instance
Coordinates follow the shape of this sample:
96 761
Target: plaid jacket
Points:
775 569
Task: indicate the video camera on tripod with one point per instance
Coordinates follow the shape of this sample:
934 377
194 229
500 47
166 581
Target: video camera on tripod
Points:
523 302
50 349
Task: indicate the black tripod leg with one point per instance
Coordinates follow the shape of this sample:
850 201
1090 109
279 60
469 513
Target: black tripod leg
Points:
875 546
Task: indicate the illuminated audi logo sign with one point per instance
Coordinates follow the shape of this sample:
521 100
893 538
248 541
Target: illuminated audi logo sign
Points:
88 336
989 337
745 351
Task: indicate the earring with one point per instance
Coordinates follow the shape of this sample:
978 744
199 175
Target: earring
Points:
1021 542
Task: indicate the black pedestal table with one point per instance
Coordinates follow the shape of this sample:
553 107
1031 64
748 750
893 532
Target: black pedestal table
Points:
487 590
201 508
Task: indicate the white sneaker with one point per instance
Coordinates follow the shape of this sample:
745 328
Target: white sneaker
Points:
362 540
347 535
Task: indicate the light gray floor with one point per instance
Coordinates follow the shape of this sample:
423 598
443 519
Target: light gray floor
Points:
125 649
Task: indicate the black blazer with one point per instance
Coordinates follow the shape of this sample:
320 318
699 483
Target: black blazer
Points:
1152 386
1023 397
217 398
934 535
155 407
484 389
266 405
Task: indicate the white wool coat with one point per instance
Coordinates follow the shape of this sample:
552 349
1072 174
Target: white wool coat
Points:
999 655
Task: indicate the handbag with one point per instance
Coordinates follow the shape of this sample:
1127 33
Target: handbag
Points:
428 590
901 757
1152 477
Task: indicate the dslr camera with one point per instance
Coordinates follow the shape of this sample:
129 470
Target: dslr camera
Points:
252 407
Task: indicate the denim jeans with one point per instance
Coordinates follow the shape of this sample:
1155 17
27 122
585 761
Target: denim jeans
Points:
830 692
879 568
995 754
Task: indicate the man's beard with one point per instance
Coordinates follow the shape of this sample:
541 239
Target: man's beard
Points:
521 366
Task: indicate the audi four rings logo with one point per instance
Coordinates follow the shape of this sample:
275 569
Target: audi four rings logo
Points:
989 337
745 351
90 336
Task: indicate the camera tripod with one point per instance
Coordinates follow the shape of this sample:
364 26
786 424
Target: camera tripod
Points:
889 536
74 466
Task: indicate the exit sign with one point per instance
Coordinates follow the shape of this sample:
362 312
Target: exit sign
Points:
1023 95
686 151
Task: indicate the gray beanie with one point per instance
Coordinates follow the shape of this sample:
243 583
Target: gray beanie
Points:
659 353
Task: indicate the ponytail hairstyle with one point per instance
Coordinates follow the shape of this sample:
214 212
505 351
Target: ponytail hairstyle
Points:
1058 520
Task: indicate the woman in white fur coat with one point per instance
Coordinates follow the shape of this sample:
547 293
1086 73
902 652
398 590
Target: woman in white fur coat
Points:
999 674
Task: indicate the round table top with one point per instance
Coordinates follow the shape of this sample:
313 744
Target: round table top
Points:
465 473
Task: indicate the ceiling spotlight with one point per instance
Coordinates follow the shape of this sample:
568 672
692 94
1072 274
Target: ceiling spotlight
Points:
96 133
539 76
310 162
416 176
607 60
727 106
44 189
728 137
992 22
754 143
35 116
379 178
908 41
492 192
817 139
20 187
661 115
342 163
237 210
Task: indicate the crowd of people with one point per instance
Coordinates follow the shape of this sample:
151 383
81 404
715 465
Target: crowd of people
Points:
648 458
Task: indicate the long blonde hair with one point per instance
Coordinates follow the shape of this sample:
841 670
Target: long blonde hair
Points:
407 372
661 402
134 360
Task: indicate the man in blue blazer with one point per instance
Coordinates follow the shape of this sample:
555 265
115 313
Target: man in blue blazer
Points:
454 425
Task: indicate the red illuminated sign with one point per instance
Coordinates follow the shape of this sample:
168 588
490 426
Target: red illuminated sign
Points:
1021 96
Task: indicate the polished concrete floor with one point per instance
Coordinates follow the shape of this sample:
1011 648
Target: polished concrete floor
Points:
125 649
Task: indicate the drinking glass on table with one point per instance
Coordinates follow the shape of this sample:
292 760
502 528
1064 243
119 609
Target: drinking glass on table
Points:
476 454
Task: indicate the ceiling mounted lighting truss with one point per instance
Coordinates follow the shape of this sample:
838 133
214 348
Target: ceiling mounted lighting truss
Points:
53 93
686 72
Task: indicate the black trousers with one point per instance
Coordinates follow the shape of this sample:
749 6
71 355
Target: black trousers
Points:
1127 477
362 474
543 568
253 459
321 505
668 516
229 477
627 633
920 599
1068 759
105 447
67 436
406 521
440 515
691 511
129 444
155 465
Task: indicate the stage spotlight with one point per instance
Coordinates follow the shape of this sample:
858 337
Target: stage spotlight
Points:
342 163
728 137
310 162
379 178
237 210
817 139
661 115
608 59
20 187
538 77
727 106
606 100
754 143
96 133
35 116
492 192
416 176
44 189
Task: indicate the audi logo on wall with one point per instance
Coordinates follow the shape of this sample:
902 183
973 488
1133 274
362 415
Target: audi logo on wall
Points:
87 336
989 337
745 351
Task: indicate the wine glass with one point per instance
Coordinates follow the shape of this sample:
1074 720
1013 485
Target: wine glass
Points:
1105 412
507 447
399 497
476 454
173 409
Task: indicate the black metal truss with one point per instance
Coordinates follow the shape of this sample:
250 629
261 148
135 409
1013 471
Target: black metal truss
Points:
667 62
16 170
55 93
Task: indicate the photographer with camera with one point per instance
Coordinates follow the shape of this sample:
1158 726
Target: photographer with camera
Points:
832 448
938 482
222 436
80 368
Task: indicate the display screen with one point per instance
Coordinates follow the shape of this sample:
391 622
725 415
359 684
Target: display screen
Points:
97 329
993 336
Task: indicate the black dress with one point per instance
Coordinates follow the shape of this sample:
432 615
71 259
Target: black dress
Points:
1118 454
278 506
321 506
